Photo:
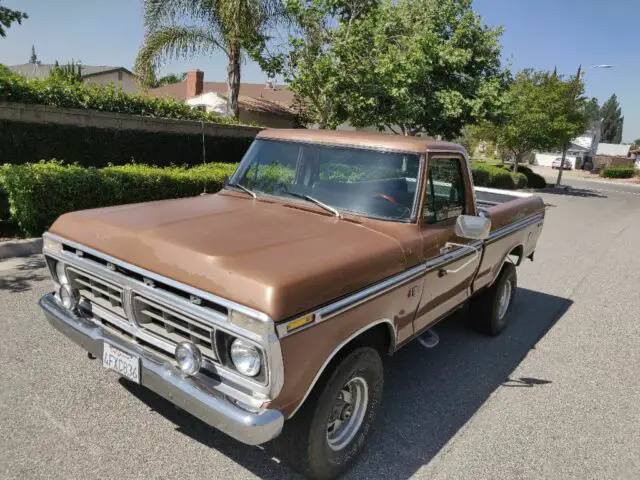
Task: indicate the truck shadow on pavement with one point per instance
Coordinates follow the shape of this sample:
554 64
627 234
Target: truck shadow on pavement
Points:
429 394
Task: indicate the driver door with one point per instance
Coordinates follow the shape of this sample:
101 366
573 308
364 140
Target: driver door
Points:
450 269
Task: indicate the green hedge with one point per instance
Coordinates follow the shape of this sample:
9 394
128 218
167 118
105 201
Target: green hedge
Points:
39 193
98 147
533 179
56 92
618 172
492 176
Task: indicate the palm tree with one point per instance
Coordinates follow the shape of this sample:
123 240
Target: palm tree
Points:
231 26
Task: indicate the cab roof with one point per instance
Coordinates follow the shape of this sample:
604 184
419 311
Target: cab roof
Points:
362 139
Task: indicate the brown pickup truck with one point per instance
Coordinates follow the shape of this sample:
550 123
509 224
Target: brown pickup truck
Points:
265 309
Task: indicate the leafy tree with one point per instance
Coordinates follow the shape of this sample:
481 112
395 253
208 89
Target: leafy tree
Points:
230 26
541 110
414 66
422 66
592 109
71 72
636 143
612 121
569 111
7 17
33 59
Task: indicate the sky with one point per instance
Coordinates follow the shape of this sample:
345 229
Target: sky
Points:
541 34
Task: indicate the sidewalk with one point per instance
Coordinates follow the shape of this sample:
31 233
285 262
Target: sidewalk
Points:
550 174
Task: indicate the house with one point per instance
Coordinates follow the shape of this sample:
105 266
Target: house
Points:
613 155
265 104
102 75
582 149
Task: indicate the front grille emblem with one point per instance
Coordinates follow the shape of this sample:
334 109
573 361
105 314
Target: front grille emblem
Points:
195 300
148 282
111 267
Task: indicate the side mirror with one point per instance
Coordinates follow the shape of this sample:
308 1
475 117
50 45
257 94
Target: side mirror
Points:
475 228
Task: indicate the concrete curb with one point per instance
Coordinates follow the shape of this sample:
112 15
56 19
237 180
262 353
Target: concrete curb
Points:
20 248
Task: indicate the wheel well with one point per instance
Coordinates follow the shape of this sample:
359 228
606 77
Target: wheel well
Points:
517 252
381 337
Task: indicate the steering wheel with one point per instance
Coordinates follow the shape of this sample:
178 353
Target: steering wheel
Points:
403 210
385 196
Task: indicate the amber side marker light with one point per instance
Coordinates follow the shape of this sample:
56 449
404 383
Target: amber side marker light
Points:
300 322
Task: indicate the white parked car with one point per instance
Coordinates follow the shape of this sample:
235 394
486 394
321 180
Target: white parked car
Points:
558 161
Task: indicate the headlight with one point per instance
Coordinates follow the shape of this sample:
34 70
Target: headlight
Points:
189 358
245 357
61 275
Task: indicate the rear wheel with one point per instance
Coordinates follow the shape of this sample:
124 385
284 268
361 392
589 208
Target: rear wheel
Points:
490 309
323 439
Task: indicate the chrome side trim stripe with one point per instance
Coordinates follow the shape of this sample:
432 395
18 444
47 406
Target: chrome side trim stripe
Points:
388 284
504 231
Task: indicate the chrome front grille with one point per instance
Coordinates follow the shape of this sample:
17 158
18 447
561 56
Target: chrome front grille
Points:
97 291
172 325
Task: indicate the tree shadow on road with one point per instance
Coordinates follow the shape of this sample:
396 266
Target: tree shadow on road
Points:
28 272
429 394
573 192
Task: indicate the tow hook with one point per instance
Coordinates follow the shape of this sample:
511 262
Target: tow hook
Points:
91 356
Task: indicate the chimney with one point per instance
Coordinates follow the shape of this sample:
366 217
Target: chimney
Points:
195 82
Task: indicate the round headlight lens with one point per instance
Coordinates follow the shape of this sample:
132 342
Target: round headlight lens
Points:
245 357
61 274
69 297
188 357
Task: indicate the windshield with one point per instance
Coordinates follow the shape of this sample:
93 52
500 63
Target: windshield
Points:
367 182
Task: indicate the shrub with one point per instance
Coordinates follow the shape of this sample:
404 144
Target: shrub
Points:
56 92
618 172
533 179
519 180
492 176
98 147
39 193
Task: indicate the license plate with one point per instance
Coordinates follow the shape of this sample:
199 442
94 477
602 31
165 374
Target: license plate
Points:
126 365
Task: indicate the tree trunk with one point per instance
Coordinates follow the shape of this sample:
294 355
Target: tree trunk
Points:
233 80
516 160
560 170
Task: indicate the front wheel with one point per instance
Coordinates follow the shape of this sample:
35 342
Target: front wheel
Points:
323 439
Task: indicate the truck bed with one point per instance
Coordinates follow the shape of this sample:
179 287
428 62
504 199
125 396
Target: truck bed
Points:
490 197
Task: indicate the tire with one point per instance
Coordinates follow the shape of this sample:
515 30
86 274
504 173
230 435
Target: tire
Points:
304 443
488 314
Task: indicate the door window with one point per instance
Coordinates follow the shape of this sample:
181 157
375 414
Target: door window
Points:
445 196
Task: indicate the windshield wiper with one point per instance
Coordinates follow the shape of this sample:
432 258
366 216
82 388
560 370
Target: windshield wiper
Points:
313 200
243 188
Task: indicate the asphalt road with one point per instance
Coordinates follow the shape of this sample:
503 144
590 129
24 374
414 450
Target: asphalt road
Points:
556 396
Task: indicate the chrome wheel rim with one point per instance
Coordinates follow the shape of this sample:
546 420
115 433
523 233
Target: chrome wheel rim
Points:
347 413
505 298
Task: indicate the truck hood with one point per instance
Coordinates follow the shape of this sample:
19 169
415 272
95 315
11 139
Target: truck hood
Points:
277 258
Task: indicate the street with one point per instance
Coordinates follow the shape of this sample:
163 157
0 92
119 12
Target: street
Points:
556 396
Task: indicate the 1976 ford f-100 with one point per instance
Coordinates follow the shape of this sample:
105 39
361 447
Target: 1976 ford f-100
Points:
265 309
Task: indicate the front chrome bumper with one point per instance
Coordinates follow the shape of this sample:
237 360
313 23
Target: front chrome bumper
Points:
159 376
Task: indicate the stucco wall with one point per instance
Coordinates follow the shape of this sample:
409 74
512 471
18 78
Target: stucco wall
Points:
128 82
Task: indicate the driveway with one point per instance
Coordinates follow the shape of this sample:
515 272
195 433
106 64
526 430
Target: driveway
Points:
556 396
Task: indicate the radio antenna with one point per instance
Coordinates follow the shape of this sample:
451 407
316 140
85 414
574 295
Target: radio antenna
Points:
204 159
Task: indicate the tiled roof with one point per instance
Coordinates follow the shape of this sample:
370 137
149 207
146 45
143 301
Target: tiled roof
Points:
253 96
